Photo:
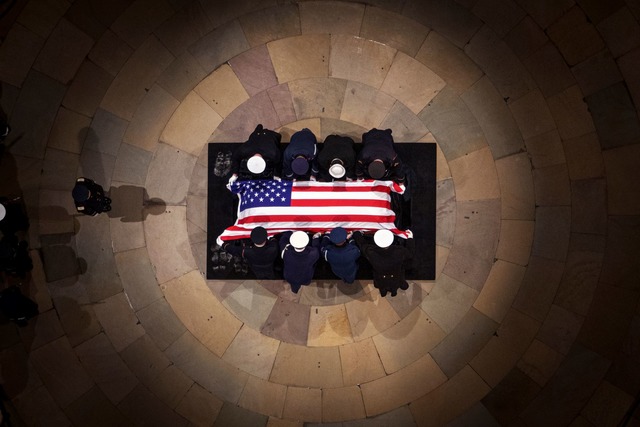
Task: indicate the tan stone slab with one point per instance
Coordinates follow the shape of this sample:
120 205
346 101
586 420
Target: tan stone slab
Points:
329 326
134 79
87 89
63 52
171 386
342 404
518 330
220 45
300 57
59 170
282 103
167 181
263 397
161 323
140 19
55 212
187 24
571 113
270 24
407 341
584 157
142 407
199 311
448 301
18 51
560 329
317 97
307 366
628 64
61 372
137 277
181 76
405 124
252 352
442 165
549 69
597 72
501 17
360 60
38 407
532 114
516 187
499 290
475 176
516 238
451 399
608 405
93 408
539 287
303 404
37 289
526 38
41 17
552 186
540 362
329 17
119 321
107 369
360 362
402 387
145 359
150 119
393 30
191 124
622 177
575 35
620 31
222 91
43 330
199 406
251 303
69 131
411 82
110 52
370 315
365 105
330 292
545 149
552 232
449 62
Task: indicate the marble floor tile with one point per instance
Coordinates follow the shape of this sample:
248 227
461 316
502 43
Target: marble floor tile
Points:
222 91
138 74
411 82
181 76
628 64
393 30
317 97
405 124
622 198
93 408
514 244
342 404
588 202
329 326
370 315
160 323
61 372
59 170
251 303
360 60
499 290
407 341
216 376
44 329
137 21
280 97
329 17
106 133
108 370
97 166
360 362
38 406
495 119
545 150
138 279
451 399
254 70
171 386
243 120
510 397
55 212
303 403
615 118
314 125
552 186
19 50
364 105
526 37
539 287
119 321
220 45
199 406
330 292
197 211
131 166
145 359
42 17
517 330
571 113
549 70
584 157
316 367
110 52
560 329
63 52
169 173
188 24
474 176
232 415
300 57
465 341
201 312
87 89
516 187
551 235
576 37
532 114
501 17
404 303
597 72
274 23
402 387
69 131
252 352
141 406
620 31
288 322
608 405
619 266
263 397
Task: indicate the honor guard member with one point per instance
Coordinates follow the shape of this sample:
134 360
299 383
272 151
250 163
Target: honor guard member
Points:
299 158
261 253
342 253
299 258
337 159
378 158
89 197
258 158
388 259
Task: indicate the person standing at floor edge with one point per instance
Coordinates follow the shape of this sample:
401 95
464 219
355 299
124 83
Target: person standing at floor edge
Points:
342 253
89 197
299 258
261 253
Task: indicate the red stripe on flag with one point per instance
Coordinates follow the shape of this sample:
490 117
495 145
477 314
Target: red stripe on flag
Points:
338 219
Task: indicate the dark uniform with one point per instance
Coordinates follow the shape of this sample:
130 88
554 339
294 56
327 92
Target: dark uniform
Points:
342 259
299 267
15 217
261 259
264 142
303 144
97 201
341 148
378 144
388 264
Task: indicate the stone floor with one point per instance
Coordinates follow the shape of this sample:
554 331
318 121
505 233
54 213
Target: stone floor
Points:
533 319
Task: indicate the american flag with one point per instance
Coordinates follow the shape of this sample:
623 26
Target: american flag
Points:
312 206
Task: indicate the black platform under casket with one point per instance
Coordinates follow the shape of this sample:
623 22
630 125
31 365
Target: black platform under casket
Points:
418 214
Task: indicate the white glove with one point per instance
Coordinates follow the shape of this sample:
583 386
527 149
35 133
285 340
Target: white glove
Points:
277 178
312 178
409 234
233 179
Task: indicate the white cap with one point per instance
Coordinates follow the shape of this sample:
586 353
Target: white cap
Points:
299 239
256 164
3 211
337 170
383 238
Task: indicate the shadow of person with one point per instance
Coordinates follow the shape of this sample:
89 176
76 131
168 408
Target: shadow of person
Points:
131 203
59 259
